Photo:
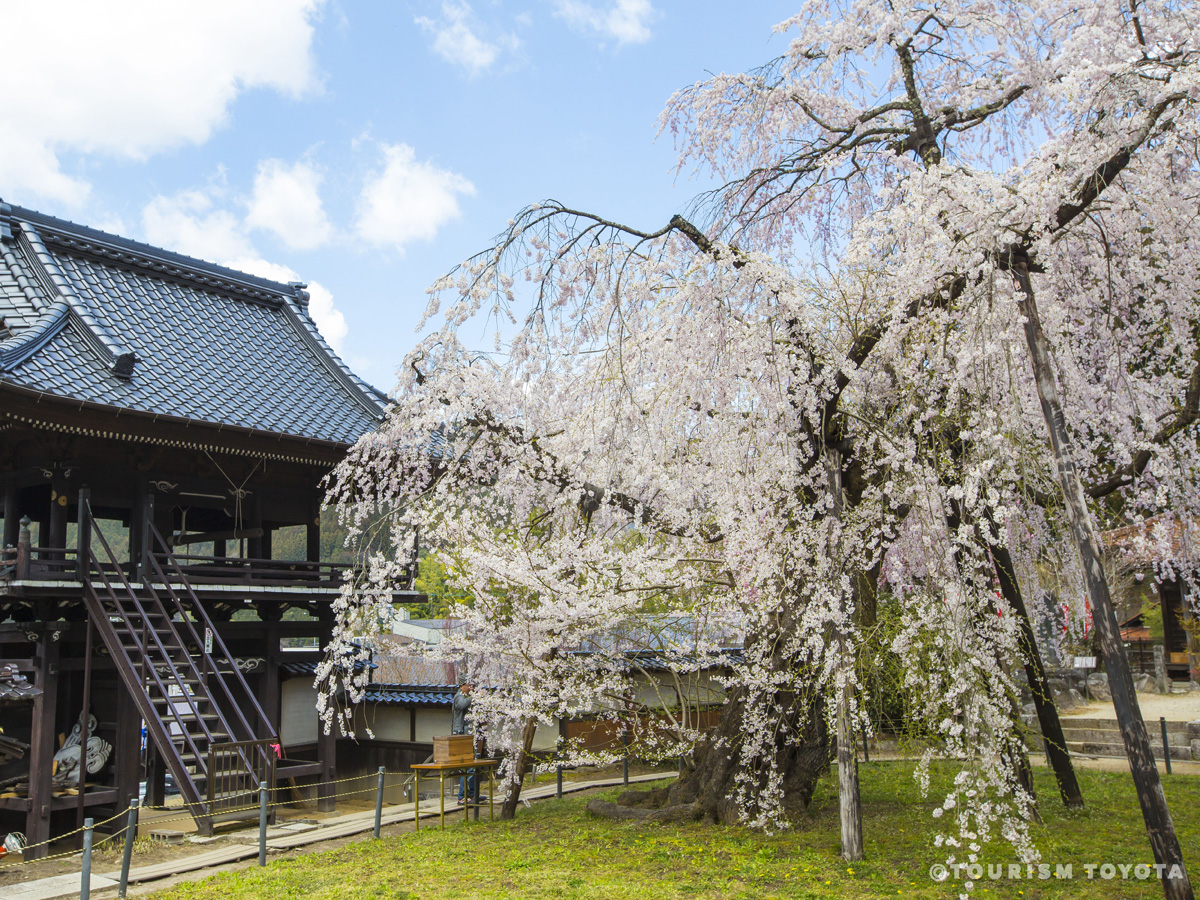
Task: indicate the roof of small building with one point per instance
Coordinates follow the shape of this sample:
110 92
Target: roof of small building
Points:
92 317
1161 538
410 694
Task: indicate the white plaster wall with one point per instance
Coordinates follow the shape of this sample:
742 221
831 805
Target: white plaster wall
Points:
387 723
432 723
546 737
298 722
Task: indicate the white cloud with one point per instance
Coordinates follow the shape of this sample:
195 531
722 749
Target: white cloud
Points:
192 222
195 223
626 21
456 38
135 77
407 199
287 202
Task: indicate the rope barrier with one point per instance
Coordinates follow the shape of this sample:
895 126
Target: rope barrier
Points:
400 779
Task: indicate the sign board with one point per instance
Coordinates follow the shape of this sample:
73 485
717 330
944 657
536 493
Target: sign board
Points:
1085 662
208 640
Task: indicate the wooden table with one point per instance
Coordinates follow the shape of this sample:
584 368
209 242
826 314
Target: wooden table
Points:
442 769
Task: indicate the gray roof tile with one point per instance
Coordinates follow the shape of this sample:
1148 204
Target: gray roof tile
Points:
210 344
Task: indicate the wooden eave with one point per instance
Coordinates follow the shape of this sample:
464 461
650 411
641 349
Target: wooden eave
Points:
26 407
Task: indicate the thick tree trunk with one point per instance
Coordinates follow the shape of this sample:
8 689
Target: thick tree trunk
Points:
1039 686
707 789
849 799
509 808
1163 840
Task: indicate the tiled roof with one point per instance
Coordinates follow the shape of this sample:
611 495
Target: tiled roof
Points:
310 668
410 694
101 319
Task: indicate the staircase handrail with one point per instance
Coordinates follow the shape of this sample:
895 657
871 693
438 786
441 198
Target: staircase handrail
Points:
198 609
152 669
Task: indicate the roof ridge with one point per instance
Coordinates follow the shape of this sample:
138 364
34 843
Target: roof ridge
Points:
28 341
83 239
117 357
296 309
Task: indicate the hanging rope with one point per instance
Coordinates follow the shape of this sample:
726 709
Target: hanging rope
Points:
238 492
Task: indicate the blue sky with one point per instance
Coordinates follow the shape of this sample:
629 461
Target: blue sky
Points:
365 148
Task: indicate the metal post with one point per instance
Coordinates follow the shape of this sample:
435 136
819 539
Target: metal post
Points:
130 836
85 877
558 788
1162 720
263 794
625 762
379 803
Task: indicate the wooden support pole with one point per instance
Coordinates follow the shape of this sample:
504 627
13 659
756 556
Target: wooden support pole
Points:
1164 841
42 744
1039 686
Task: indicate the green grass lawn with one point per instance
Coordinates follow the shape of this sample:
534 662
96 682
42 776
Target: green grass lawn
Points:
557 850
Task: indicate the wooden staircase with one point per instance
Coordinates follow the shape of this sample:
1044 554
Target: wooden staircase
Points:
205 721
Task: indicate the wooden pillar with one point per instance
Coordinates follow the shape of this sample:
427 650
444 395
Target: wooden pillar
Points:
137 525
12 514
266 542
57 537
127 752
85 730
42 745
156 775
270 697
253 510
327 747
313 535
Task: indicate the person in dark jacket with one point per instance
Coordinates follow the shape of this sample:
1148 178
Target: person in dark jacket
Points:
458 725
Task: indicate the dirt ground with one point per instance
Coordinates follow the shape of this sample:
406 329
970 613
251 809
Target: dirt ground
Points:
1179 707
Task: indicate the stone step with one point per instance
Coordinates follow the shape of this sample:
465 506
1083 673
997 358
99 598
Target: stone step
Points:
1108 735
1090 748
1111 724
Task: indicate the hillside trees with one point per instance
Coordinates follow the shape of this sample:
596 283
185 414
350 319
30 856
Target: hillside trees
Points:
822 382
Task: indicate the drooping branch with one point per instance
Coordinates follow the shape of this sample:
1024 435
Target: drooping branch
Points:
1187 415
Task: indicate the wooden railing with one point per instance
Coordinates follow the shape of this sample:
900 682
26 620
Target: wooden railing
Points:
235 771
244 570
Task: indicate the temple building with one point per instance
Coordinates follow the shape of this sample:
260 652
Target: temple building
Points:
164 424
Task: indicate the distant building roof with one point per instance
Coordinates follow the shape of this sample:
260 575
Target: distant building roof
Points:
1161 538
310 668
398 662
410 694
92 317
